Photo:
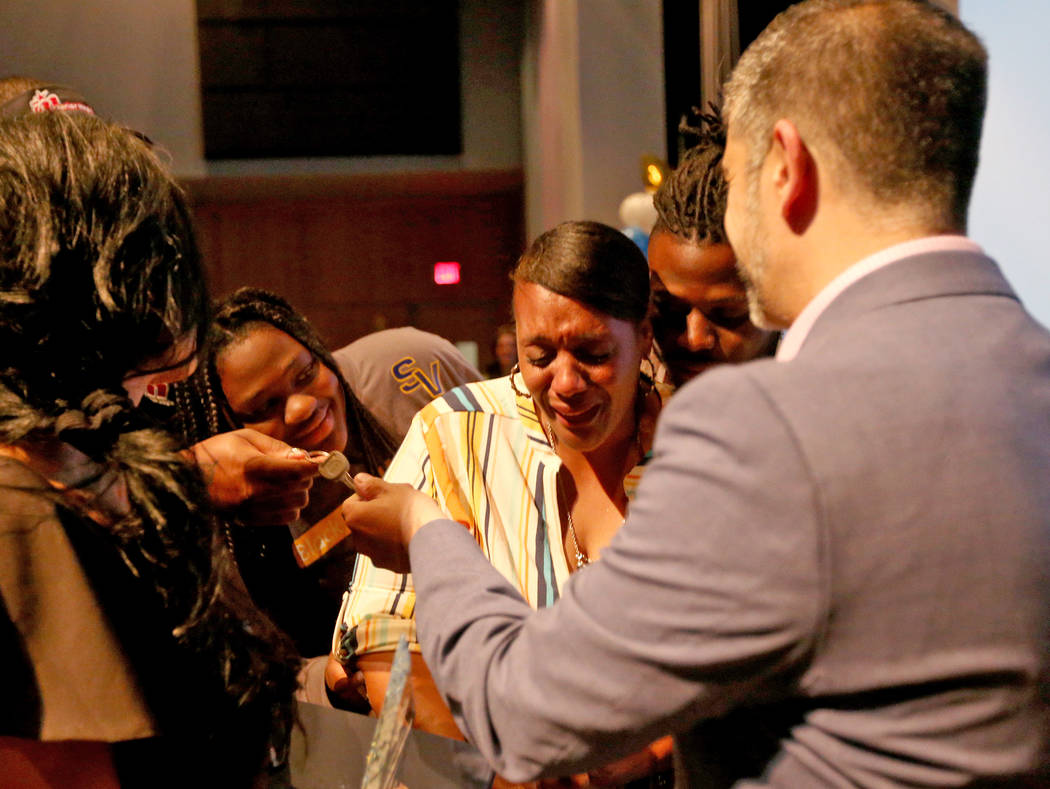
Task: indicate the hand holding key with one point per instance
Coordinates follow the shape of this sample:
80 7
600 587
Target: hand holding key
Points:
335 466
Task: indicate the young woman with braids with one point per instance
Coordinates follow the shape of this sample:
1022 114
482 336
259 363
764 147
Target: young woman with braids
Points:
700 316
268 370
132 653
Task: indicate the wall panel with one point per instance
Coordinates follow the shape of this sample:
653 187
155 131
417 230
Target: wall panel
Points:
356 252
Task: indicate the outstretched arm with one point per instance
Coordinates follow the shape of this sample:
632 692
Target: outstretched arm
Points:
707 595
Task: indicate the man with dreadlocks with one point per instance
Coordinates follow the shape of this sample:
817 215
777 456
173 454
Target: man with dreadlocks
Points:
701 313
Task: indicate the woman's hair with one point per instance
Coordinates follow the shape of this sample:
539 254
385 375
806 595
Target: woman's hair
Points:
100 272
691 201
592 263
201 406
26 95
15 85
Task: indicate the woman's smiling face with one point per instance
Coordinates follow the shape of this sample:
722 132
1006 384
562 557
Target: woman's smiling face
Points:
580 365
275 385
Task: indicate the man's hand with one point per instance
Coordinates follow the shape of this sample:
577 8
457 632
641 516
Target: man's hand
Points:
251 475
383 517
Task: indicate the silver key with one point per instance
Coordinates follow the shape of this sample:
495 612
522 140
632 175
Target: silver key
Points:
336 466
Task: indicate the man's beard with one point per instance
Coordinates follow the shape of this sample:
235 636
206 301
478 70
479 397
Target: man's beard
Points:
751 248
754 299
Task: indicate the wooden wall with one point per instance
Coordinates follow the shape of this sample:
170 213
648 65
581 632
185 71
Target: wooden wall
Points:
355 253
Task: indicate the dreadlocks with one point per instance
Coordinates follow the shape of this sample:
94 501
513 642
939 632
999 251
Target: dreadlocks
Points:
691 202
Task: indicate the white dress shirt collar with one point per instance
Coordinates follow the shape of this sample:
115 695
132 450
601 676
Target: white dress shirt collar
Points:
793 338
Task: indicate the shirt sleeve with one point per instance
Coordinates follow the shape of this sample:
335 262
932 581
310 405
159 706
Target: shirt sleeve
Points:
377 610
379 605
711 593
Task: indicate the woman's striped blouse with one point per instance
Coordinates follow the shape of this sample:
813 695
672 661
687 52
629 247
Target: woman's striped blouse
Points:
480 452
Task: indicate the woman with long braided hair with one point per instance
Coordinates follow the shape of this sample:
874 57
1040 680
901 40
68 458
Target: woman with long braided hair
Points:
253 316
132 653
268 370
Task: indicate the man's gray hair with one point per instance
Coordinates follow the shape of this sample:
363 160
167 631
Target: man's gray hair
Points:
892 90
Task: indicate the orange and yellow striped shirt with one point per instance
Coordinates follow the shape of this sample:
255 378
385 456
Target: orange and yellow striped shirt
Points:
480 452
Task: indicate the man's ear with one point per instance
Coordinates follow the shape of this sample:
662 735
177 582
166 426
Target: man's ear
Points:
795 176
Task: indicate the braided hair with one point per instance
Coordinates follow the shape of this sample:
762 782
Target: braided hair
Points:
100 272
201 406
691 201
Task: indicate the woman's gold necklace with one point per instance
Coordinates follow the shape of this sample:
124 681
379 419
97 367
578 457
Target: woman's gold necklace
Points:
580 556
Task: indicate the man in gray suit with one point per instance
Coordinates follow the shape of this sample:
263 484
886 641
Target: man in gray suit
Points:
835 572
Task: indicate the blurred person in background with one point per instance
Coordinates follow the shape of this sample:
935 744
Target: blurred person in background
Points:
504 352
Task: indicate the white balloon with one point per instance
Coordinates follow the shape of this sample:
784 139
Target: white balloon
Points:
637 210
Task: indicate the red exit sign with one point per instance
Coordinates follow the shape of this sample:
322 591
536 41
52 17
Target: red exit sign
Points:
446 273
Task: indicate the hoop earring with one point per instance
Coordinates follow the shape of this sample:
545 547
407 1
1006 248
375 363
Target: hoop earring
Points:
645 410
516 370
646 382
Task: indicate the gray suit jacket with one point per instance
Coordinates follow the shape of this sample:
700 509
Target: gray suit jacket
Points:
835 572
